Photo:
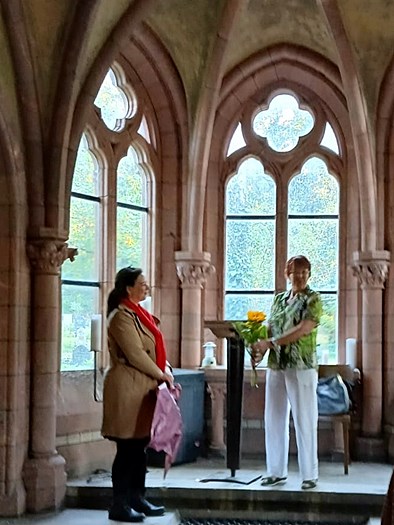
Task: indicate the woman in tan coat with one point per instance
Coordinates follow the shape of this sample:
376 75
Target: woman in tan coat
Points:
138 365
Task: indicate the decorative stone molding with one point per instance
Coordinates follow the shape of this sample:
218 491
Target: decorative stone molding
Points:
371 268
47 256
217 391
193 268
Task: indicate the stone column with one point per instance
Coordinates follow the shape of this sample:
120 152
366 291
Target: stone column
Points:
193 268
44 470
217 391
371 268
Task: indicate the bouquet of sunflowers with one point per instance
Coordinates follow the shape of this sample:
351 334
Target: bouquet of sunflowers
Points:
251 331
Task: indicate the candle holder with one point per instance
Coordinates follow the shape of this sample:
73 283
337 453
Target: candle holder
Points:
209 359
96 348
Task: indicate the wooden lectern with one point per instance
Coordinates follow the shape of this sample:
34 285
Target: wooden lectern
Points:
235 379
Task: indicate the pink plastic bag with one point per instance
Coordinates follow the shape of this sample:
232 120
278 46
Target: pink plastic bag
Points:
167 426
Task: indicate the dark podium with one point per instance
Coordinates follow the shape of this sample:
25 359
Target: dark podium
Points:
234 380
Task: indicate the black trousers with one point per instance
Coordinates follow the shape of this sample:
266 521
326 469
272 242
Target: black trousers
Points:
129 468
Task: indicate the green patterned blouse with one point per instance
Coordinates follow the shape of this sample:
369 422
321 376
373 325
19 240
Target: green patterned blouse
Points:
302 353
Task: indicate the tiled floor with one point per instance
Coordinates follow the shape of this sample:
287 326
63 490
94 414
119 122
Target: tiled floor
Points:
364 480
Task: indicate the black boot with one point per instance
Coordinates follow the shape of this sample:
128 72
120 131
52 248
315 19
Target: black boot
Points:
140 504
121 511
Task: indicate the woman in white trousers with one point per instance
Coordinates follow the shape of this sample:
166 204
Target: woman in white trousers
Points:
292 376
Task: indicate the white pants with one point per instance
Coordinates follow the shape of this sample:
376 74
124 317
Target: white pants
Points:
296 389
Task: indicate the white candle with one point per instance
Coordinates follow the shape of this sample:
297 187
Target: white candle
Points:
95 333
351 352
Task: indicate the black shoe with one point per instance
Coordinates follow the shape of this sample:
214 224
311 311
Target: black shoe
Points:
271 481
143 505
125 513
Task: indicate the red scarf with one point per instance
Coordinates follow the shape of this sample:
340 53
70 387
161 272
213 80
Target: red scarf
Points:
147 320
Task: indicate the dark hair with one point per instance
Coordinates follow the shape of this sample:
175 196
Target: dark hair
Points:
297 262
124 278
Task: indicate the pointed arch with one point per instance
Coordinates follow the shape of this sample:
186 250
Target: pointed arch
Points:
70 117
29 109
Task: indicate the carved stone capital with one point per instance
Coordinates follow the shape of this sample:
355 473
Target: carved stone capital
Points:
371 268
193 269
217 391
47 256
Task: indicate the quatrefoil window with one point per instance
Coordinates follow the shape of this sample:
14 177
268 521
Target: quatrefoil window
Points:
116 100
283 123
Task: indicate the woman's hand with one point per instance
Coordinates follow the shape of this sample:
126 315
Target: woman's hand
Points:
168 378
258 350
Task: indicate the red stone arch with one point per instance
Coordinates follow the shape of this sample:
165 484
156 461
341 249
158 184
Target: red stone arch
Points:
315 82
160 86
284 68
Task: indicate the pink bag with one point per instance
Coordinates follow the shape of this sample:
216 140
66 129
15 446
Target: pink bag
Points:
167 426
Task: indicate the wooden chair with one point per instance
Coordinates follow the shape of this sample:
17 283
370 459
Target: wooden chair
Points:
347 373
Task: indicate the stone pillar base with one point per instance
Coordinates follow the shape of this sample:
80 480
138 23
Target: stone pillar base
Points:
216 452
13 504
370 449
45 481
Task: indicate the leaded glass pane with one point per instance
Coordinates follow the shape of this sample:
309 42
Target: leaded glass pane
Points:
327 332
131 234
251 191
237 141
283 123
86 173
250 254
329 139
237 305
314 191
79 303
317 239
131 181
112 102
143 130
84 235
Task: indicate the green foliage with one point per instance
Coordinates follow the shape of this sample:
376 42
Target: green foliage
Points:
79 303
250 243
112 101
250 331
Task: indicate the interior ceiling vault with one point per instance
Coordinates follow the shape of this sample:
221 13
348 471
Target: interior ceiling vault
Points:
188 29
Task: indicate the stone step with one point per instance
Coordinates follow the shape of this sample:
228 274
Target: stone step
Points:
227 502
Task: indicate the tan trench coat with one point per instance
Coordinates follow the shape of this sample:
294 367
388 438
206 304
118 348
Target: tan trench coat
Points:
131 381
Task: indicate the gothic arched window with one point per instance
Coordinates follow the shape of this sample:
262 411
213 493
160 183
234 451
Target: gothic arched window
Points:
282 200
110 207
